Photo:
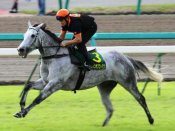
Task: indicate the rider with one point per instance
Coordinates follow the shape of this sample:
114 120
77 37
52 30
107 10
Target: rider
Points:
83 28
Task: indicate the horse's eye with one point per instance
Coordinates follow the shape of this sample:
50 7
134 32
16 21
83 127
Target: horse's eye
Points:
32 35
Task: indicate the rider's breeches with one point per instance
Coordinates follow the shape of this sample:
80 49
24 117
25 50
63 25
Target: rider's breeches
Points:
86 36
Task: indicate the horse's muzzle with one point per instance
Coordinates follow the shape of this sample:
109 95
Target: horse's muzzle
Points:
22 52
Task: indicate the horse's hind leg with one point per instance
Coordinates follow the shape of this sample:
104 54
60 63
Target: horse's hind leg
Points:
105 89
140 98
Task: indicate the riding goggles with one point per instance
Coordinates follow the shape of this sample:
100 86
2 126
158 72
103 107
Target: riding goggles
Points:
60 18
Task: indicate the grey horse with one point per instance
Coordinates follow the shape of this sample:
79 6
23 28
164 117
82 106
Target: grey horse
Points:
57 72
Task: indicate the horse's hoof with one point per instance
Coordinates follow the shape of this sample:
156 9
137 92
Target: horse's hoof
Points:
105 123
18 115
151 121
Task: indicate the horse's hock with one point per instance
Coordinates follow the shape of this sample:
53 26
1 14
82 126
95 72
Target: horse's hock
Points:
14 68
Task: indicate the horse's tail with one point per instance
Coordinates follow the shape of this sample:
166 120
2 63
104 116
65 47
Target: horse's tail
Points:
139 66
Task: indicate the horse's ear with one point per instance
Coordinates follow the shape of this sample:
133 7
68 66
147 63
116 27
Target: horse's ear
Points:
42 25
29 24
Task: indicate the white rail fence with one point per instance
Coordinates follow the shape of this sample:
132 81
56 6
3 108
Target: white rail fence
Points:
122 49
129 50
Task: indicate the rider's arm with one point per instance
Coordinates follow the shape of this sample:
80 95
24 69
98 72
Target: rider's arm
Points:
62 35
77 31
76 40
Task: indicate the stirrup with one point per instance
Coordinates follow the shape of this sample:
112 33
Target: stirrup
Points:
85 67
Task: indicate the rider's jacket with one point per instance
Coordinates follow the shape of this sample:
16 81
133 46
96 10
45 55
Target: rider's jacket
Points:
79 24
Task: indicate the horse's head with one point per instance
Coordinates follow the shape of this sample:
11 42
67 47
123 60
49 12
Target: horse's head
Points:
30 41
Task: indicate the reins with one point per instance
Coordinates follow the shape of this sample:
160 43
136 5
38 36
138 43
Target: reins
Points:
40 48
49 46
51 56
54 56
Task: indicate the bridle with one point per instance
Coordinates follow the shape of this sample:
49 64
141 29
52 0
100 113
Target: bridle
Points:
41 48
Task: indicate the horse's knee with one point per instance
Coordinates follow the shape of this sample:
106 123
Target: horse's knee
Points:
22 103
28 86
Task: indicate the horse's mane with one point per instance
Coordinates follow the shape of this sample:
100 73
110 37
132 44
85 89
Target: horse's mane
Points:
52 35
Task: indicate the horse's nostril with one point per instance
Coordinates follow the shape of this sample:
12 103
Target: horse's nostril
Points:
21 50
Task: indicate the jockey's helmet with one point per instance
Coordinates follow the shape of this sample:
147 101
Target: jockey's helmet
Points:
62 14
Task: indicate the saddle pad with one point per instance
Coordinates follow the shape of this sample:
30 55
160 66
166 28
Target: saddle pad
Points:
98 61
78 59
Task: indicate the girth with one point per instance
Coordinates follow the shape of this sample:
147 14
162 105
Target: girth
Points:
80 80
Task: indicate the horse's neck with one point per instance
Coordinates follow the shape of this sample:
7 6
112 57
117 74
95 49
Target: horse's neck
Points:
47 41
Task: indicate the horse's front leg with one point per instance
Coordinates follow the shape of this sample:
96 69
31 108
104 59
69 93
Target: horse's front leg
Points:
50 88
38 85
23 95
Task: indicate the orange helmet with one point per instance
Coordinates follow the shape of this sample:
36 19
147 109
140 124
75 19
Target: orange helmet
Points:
62 14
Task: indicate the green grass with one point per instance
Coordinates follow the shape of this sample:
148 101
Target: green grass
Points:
161 8
33 12
65 111
118 9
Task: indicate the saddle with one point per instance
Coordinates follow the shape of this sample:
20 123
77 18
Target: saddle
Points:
78 59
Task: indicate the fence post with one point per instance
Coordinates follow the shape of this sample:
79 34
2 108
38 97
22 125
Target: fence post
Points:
67 4
60 4
139 7
157 62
